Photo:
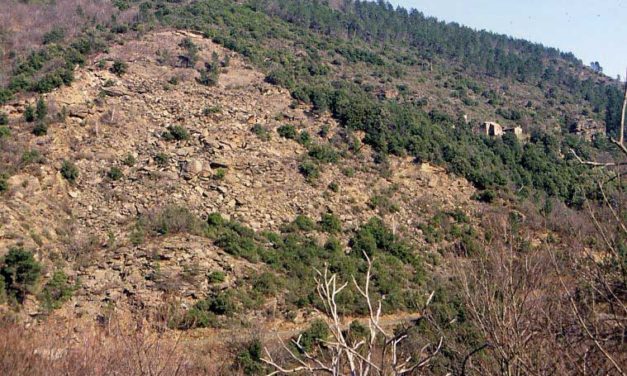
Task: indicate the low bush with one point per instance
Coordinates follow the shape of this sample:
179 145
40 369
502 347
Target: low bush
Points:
162 159
220 174
69 171
262 132
41 128
29 114
115 173
4 184
304 138
486 196
216 277
176 133
248 360
172 219
287 131
129 160
20 272
56 291
31 156
330 223
4 132
221 304
41 110
309 170
300 223
324 153
119 68
318 331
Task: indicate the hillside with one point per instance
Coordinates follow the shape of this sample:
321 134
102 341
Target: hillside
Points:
174 176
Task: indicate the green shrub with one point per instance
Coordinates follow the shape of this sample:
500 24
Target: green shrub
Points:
195 318
220 174
216 277
280 78
266 284
317 331
215 220
176 132
348 172
137 236
333 244
324 153
486 196
310 170
4 184
324 131
162 159
189 60
129 160
287 131
4 118
208 77
330 223
384 204
304 138
3 291
21 272
262 132
31 156
4 132
119 68
41 128
374 237
29 114
300 223
69 171
5 95
221 304
53 36
56 291
238 243
212 110
249 359
41 110
115 173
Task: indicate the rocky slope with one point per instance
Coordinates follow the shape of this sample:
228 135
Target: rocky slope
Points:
109 121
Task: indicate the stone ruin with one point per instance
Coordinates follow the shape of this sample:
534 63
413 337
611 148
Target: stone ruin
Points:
493 129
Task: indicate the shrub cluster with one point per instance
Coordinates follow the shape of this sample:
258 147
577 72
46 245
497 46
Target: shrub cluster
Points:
19 272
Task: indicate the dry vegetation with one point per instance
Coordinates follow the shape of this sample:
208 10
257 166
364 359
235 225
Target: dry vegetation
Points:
25 26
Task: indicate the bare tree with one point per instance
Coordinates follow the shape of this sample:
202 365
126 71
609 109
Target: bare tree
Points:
378 354
600 311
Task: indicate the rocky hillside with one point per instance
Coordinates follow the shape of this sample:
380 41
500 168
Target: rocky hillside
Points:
185 187
113 129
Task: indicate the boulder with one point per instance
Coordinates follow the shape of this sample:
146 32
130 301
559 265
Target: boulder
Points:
194 167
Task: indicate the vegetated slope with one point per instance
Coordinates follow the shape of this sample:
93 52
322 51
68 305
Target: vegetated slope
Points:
407 104
193 163
149 142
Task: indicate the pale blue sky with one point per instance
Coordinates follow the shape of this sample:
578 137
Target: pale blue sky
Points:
594 30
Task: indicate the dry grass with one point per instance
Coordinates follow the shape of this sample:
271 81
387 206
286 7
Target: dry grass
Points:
111 349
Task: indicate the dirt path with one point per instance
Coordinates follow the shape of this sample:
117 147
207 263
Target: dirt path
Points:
221 336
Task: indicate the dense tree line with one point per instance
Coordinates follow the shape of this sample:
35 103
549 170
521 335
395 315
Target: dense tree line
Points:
479 52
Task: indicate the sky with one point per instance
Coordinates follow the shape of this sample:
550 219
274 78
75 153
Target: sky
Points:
594 30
